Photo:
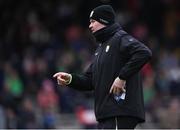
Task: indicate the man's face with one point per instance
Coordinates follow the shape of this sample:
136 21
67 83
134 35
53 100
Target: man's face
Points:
95 25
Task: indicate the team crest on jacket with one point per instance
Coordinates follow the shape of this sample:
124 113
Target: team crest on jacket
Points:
107 48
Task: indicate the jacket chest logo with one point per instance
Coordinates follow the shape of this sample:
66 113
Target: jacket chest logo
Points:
107 48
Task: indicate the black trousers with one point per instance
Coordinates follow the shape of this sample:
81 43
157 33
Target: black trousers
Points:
120 122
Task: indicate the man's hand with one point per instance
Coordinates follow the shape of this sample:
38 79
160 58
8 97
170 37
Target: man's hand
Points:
118 86
63 78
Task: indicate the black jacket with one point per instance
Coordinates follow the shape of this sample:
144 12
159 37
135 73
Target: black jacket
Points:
118 54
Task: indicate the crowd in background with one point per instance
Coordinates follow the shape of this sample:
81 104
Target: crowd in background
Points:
41 37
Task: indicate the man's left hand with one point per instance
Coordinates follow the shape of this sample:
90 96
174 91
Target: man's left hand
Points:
118 86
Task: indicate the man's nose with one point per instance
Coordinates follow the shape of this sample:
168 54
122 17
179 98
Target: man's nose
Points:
90 26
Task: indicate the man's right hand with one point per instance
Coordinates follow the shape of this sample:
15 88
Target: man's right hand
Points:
63 78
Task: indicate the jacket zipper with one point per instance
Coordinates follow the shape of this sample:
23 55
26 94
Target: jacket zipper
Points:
100 52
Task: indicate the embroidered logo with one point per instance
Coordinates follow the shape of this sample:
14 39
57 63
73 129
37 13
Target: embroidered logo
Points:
91 14
107 48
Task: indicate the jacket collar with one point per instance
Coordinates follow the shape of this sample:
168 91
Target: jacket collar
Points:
104 34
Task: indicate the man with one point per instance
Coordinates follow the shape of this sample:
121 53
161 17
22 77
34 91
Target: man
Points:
114 74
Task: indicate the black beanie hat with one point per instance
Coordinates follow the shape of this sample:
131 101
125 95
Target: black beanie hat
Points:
103 14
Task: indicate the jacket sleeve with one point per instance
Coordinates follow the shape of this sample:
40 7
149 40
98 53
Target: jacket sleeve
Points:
82 82
138 55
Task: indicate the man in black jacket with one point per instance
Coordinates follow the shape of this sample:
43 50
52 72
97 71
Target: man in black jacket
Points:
114 74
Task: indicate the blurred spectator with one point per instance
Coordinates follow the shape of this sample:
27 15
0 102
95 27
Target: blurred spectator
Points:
169 117
11 119
13 81
26 115
86 117
48 102
149 91
47 97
